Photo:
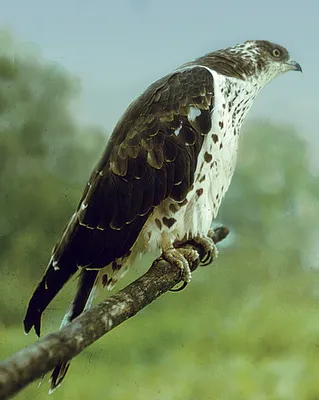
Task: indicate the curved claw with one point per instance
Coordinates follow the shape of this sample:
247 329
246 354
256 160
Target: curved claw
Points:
208 246
207 257
180 288
207 260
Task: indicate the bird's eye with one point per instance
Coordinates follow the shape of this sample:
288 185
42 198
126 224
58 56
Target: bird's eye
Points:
276 53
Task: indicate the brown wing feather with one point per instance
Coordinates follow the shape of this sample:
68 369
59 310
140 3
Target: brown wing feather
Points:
132 175
151 155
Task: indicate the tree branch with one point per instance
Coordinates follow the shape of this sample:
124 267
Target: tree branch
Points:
37 359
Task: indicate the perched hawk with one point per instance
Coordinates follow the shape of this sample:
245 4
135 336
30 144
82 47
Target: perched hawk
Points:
162 176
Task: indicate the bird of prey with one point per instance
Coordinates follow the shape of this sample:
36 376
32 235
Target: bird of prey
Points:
162 176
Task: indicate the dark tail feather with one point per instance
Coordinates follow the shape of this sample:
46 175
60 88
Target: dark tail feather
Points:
51 284
82 301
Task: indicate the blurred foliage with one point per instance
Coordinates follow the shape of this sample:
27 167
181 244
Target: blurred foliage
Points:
246 328
44 161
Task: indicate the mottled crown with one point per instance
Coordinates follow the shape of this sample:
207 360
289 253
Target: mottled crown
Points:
253 58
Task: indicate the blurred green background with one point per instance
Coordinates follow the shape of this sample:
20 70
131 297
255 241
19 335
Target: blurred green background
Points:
246 328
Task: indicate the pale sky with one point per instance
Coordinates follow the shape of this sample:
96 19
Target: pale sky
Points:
117 48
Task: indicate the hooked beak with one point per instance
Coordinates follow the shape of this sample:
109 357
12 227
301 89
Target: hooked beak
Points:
294 66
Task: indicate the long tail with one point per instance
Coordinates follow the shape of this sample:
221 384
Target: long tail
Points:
52 282
81 302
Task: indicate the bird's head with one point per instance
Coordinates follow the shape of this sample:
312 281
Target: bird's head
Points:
258 60
263 60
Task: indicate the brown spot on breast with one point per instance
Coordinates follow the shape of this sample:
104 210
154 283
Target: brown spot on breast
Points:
199 192
149 235
208 157
115 267
173 207
220 146
105 280
213 164
201 167
215 137
202 179
217 196
221 124
169 222
158 223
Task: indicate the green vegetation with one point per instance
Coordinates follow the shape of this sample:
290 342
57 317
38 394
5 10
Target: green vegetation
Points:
247 328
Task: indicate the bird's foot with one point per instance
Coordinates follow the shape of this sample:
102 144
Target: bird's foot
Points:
209 248
182 259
